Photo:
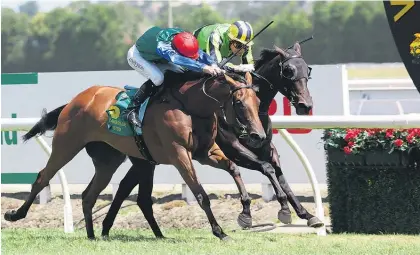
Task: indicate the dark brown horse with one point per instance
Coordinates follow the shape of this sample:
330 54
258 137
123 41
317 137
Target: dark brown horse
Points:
171 135
277 70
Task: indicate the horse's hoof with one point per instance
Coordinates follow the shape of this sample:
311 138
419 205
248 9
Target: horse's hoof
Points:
244 220
11 216
161 237
314 222
284 217
91 238
226 239
105 237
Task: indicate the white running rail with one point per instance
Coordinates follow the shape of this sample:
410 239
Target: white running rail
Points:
25 124
278 122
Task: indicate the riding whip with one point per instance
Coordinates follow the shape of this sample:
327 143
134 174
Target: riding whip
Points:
244 45
303 41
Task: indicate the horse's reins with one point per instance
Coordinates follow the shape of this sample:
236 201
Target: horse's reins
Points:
239 126
203 88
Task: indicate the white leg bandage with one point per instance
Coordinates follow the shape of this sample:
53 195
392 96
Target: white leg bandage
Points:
145 68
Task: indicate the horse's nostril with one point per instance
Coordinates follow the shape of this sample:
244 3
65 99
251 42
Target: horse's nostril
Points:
256 137
303 109
304 106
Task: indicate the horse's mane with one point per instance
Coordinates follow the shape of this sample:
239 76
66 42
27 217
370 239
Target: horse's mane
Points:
266 55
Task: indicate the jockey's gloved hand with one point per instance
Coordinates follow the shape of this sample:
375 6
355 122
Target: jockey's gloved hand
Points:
241 68
218 70
212 70
247 67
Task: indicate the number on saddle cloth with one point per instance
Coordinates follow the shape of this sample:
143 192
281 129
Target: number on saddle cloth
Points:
117 114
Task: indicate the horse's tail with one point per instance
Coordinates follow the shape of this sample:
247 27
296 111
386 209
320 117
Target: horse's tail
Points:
47 122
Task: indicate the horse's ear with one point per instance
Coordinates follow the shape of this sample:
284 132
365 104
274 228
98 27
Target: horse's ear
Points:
297 48
230 80
279 50
248 78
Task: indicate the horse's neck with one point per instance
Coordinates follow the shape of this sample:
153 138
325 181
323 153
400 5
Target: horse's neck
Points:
193 100
266 92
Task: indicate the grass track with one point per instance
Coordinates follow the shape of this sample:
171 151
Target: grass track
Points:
55 241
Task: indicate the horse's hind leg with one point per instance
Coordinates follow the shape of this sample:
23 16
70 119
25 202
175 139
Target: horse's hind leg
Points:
218 159
182 160
313 221
64 148
102 177
127 184
140 173
144 197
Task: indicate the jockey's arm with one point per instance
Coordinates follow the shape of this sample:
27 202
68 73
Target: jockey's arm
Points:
205 58
247 62
166 51
213 47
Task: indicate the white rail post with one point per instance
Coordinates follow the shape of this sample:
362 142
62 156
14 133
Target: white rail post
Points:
187 194
267 191
310 172
45 195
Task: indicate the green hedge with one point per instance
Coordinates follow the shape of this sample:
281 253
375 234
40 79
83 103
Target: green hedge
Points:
374 192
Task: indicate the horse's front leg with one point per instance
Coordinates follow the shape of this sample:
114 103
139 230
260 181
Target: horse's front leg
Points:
243 157
313 221
216 158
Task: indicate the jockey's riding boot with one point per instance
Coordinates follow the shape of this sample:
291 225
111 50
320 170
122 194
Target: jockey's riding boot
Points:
142 93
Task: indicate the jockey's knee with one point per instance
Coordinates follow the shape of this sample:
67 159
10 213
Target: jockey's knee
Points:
157 78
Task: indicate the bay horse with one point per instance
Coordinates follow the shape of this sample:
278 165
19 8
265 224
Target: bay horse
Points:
279 70
180 123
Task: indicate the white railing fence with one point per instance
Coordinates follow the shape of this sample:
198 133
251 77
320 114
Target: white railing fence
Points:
25 124
279 122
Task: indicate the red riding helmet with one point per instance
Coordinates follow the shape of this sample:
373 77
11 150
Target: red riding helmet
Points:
186 44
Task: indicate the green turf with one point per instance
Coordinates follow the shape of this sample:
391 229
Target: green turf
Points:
54 241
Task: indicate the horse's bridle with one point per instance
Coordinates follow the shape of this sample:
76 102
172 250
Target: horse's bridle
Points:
289 94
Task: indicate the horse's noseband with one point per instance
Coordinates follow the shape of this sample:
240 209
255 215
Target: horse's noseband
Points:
292 68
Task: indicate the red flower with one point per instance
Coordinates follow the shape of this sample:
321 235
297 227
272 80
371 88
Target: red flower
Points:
416 131
371 132
410 137
398 142
350 144
347 150
351 134
389 133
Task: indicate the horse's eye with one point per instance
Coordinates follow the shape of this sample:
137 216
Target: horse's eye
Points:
290 71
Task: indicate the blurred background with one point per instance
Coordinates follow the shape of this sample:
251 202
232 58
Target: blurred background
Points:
59 36
55 36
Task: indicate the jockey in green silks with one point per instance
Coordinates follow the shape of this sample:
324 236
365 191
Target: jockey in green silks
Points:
161 49
220 40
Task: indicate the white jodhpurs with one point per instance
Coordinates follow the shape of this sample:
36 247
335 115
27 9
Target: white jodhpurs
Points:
150 70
